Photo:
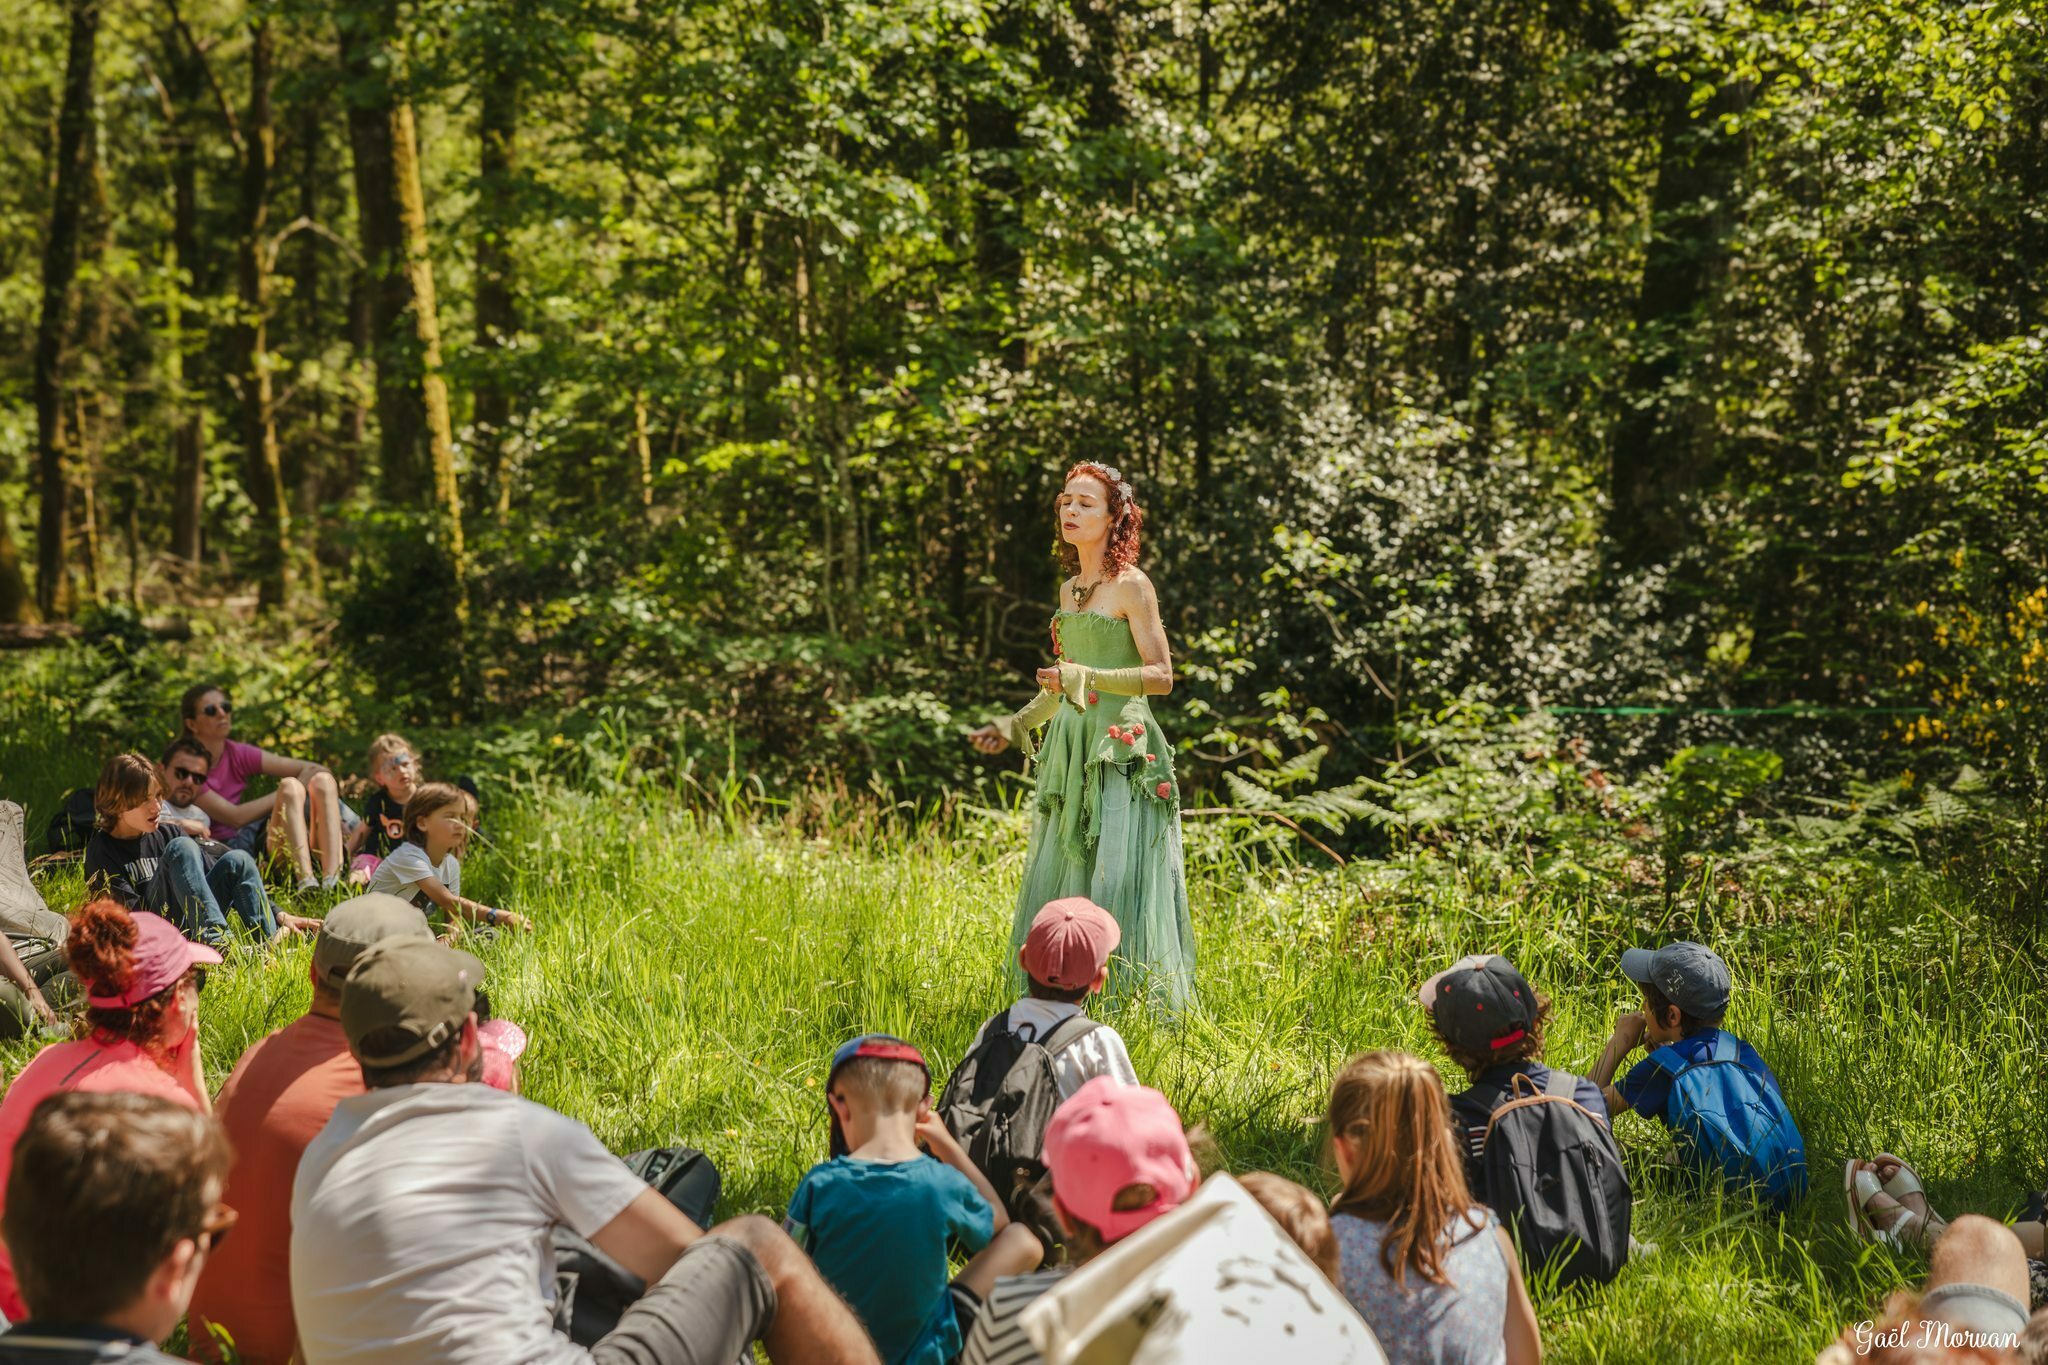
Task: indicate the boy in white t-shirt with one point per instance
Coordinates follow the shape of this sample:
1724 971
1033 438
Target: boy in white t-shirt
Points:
1066 959
427 866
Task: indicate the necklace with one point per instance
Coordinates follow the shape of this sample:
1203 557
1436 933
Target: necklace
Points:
1082 591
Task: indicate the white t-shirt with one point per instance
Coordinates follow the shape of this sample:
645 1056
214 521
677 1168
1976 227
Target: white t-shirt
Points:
406 866
1099 1052
420 1221
192 813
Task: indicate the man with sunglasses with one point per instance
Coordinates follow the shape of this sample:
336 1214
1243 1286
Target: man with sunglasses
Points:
114 1205
183 771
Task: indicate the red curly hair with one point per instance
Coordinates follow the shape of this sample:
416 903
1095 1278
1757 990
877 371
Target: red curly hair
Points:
101 952
1126 519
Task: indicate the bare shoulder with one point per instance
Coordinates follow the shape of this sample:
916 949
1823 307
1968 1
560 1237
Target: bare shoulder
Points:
1134 588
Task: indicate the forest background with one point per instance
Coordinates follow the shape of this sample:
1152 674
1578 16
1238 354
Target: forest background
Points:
1595 458
1648 395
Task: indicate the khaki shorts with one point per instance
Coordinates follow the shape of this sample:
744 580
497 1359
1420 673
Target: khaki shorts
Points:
714 1300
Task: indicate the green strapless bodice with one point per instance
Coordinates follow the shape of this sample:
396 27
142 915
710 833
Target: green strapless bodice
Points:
1113 739
1089 637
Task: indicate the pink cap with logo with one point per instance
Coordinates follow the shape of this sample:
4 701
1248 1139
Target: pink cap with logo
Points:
1108 1137
1069 942
162 956
503 1042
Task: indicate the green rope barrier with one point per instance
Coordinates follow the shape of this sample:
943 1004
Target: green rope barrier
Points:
1807 712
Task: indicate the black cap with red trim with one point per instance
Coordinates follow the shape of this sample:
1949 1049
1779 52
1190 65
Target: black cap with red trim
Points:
1480 1003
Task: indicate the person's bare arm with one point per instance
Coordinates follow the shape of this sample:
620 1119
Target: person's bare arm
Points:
277 765
236 814
1628 1033
461 907
647 1236
11 966
1524 1340
1149 633
939 1139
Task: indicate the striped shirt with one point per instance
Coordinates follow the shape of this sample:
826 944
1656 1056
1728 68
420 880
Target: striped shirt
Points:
997 1338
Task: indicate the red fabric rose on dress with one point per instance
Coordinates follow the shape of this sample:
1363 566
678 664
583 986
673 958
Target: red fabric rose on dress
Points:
1164 790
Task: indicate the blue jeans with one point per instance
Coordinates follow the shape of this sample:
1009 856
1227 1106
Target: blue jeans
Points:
195 894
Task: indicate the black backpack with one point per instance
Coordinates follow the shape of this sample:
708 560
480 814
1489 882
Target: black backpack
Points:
592 1291
997 1104
1554 1177
72 823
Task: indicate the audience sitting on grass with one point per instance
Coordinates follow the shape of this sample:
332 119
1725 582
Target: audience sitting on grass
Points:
182 773
879 1216
302 820
1118 1158
427 865
1515 1114
1302 1214
114 1208
278 1098
394 776
1427 1265
1887 1205
142 980
1710 1088
468 1181
1035 1054
133 859
1971 1310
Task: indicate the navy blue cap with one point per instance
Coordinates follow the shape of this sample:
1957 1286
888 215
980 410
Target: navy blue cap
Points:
1689 975
885 1046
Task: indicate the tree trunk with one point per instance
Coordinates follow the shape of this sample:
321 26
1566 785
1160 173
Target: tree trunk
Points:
497 315
75 149
188 437
1658 462
643 456
263 467
447 499
307 462
366 32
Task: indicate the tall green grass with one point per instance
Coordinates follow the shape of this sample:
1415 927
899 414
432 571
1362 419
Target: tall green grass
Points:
691 975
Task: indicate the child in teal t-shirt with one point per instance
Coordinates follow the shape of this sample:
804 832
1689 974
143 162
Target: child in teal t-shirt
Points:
879 1216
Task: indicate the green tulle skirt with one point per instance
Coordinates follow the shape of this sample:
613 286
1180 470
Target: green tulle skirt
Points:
1105 824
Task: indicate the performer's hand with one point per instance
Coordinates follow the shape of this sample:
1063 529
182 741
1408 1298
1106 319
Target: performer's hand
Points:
988 739
1049 678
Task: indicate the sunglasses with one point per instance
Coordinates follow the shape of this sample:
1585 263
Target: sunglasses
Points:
188 774
225 708
214 1230
198 978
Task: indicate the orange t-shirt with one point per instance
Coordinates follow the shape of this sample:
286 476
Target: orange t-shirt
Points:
88 1065
280 1096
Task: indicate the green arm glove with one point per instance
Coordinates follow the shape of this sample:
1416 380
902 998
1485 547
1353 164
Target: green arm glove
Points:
1017 728
1077 680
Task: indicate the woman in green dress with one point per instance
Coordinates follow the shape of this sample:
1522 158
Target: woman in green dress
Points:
1105 818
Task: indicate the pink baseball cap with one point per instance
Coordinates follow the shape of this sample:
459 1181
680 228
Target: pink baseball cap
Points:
1069 942
162 956
503 1042
1108 1137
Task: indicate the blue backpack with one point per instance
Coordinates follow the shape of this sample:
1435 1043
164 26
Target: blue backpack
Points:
1733 1122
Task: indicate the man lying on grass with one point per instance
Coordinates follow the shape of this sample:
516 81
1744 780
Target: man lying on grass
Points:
421 1214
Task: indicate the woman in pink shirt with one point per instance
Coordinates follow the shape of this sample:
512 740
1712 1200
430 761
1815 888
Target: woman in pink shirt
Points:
303 816
142 980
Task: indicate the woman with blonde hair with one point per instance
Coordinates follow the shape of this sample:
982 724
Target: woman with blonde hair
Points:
1419 1258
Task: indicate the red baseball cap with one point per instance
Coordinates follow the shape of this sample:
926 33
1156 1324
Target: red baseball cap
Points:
162 956
1108 1137
1069 942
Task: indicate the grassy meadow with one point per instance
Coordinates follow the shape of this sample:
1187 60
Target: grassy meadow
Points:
692 973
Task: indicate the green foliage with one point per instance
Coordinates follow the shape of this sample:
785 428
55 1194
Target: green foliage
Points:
1709 794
